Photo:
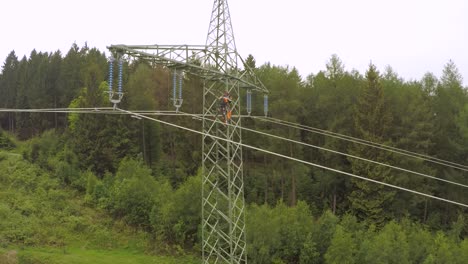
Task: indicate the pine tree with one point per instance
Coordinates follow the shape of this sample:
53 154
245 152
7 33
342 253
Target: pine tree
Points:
450 99
71 80
9 76
99 141
53 87
250 62
449 102
411 129
368 200
336 86
22 120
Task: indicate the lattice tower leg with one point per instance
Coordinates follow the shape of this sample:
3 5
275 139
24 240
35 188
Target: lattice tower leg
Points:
223 218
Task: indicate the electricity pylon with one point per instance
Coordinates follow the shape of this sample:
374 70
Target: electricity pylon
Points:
222 69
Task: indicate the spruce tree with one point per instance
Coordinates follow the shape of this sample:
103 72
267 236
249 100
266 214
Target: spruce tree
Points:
8 80
369 201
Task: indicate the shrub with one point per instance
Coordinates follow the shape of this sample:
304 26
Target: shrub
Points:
277 235
132 195
6 141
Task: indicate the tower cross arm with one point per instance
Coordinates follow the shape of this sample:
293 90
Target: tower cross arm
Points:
189 58
165 54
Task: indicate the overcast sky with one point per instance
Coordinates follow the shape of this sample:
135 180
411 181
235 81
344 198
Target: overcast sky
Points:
412 36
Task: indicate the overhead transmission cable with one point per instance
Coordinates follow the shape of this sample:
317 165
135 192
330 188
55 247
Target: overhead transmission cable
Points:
365 142
137 114
105 110
89 110
110 110
346 154
294 159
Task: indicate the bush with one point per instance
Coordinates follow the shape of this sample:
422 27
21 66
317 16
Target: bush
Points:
175 216
342 248
6 141
279 234
323 232
132 195
40 149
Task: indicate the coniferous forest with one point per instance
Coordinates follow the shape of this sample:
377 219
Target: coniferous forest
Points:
110 182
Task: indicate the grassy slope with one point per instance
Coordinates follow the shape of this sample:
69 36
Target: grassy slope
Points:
48 223
78 256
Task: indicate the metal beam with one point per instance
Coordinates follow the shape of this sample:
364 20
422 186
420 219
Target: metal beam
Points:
190 58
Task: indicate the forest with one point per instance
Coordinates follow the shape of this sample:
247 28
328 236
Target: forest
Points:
145 178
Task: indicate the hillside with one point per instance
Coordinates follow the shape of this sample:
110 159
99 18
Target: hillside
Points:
44 221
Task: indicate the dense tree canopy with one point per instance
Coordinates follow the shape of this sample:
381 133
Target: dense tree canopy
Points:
148 175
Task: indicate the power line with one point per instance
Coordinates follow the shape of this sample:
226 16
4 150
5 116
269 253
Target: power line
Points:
295 159
106 110
54 109
109 110
351 156
96 110
365 142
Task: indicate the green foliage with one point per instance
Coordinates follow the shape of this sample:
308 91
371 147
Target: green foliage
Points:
91 182
50 153
6 141
342 249
442 251
99 141
77 255
143 96
79 173
40 149
388 246
457 229
36 210
463 253
279 233
175 216
372 123
309 253
323 231
74 117
133 193
419 241
30 205
263 238
462 125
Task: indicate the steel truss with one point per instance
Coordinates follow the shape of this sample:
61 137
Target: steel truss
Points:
222 69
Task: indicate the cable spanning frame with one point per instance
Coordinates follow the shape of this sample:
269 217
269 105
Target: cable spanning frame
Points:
143 114
107 110
349 155
295 159
366 143
96 110
110 110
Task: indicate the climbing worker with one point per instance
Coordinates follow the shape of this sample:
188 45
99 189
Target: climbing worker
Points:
225 106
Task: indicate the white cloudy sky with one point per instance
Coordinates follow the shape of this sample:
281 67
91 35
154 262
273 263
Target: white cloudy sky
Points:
413 36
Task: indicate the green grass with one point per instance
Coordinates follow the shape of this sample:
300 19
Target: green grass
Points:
78 256
45 222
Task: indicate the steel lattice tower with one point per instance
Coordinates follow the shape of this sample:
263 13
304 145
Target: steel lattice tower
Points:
223 191
222 69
